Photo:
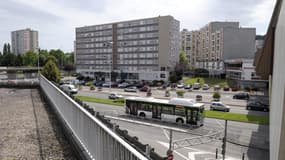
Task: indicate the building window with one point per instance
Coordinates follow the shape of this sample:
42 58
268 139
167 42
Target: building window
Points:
162 75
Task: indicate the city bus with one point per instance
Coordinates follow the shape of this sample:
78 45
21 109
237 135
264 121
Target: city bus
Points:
179 110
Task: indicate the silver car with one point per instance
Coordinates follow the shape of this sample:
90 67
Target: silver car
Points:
219 106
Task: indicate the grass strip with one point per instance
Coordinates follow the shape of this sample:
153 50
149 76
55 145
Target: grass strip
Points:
101 100
238 117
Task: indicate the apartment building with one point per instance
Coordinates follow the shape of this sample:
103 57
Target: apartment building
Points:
219 41
142 49
24 40
270 65
185 43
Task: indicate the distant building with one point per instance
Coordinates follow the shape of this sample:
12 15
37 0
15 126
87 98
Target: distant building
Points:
240 69
24 40
185 43
220 41
143 49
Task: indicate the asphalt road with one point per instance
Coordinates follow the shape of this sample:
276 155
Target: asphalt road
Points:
237 106
156 133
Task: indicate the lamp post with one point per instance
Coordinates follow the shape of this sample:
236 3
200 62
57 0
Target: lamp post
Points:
38 62
110 45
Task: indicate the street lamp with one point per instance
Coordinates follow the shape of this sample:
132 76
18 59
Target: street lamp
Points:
110 44
38 62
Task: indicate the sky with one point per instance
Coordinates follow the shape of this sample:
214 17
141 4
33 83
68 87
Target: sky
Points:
56 20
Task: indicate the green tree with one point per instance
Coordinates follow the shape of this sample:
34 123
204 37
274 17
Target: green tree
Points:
51 72
51 58
30 58
59 55
19 60
183 58
8 48
5 51
8 59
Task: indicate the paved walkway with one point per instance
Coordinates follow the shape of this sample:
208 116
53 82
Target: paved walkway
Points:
28 129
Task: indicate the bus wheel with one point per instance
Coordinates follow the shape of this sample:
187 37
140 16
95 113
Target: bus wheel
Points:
179 120
142 114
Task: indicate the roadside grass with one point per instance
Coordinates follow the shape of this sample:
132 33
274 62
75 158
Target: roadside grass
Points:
119 102
237 117
203 80
209 114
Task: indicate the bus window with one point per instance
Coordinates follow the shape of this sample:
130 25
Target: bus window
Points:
180 111
167 110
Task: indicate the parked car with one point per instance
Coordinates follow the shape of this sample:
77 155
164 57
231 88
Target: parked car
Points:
123 85
217 87
99 83
196 86
106 84
226 88
131 89
180 85
115 96
255 105
188 86
219 106
199 98
241 95
206 87
69 88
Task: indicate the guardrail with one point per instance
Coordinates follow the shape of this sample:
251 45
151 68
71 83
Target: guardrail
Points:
98 141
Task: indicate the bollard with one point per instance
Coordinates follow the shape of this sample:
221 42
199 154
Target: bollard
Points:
242 156
216 153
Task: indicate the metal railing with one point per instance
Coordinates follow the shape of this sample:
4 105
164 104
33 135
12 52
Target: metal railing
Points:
99 142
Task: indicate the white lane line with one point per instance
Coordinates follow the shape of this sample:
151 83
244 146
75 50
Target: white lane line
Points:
179 154
165 133
219 123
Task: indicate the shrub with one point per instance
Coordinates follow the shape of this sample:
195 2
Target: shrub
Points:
119 100
216 95
88 83
180 93
92 87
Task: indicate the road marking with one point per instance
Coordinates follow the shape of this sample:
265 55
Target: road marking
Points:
181 155
148 124
219 123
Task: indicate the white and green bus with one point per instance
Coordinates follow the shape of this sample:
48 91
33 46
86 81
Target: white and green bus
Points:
178 110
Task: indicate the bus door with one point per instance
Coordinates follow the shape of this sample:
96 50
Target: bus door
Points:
191 116
156 111
133 108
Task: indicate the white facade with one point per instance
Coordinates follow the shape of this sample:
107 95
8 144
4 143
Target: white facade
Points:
277 112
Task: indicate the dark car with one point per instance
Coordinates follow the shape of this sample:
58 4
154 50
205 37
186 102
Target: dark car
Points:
188 86
255 105
244 96
99 83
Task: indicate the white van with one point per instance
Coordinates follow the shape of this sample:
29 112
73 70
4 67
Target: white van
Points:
69 88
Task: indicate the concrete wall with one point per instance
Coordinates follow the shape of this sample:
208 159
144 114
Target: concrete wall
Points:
238 43
277 124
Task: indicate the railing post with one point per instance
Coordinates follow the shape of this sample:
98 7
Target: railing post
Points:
147 150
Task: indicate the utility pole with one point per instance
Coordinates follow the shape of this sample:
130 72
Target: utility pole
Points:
225 140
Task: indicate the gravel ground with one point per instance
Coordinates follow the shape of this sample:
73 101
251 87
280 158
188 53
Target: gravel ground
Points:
28 128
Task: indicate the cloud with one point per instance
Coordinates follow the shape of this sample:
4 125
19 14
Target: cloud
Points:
56 19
